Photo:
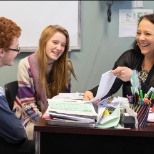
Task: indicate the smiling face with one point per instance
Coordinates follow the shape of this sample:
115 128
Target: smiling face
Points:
145 37
55 47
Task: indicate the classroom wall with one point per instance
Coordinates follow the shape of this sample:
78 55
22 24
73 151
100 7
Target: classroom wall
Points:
100 45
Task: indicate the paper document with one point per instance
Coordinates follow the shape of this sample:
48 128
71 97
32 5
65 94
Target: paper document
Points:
72 107
71 117
62 122
78 96
110 121
105 85
115 101
69 112
151 116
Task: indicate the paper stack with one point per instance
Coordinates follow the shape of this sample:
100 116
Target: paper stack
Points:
68 112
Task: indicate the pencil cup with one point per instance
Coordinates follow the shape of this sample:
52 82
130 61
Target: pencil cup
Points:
142 113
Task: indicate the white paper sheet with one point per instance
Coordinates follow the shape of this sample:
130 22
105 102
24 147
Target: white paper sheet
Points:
73 96
72 107
110 121
105 85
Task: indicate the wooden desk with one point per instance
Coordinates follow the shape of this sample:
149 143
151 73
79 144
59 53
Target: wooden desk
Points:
60 139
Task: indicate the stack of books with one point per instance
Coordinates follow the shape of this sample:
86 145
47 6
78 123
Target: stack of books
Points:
68 112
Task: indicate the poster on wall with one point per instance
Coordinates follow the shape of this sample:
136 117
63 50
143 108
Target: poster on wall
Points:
128 20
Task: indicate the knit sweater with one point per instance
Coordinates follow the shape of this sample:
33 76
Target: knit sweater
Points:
31 99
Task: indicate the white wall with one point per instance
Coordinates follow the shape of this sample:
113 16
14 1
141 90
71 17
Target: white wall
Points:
34 16
101 45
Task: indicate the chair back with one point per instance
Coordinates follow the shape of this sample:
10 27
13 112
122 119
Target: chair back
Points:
11 90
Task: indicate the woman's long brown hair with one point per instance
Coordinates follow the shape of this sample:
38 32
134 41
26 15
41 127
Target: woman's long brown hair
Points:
60 78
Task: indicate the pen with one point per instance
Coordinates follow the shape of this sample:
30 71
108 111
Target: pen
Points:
141 97
130 98
146 101
136 98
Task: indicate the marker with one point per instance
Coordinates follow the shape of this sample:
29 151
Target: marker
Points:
146 101
141 97
152 99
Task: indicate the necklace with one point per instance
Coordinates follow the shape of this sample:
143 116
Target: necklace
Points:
143 74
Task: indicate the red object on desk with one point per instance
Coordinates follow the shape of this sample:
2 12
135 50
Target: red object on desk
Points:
152 109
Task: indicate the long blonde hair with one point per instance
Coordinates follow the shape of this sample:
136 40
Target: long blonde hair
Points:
59 79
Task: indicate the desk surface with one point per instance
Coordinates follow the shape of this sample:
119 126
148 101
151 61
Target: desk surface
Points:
42 126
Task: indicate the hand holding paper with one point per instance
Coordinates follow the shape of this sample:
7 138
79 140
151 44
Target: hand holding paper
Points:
105 85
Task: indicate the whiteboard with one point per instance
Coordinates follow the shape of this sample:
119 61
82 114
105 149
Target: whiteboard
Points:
34 16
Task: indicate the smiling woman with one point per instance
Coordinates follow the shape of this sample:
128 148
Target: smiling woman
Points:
139 58
42 75
44 13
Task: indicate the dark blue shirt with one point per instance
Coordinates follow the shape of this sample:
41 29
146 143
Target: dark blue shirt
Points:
10 128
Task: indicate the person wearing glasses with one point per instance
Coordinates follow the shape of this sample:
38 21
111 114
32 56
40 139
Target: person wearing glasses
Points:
11 129
17 50
43 75
140 58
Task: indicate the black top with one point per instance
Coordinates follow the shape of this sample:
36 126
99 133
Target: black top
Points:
132 59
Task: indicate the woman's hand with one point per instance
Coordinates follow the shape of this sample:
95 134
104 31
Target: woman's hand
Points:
88 95
123 73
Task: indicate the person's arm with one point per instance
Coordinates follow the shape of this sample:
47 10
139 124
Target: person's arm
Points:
121 61
123 73
26 107
88 95
94 90
11 129
26 91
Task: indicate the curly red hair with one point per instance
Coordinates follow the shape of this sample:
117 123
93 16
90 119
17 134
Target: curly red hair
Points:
8 30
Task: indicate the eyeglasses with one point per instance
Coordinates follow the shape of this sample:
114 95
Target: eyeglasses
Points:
17 50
